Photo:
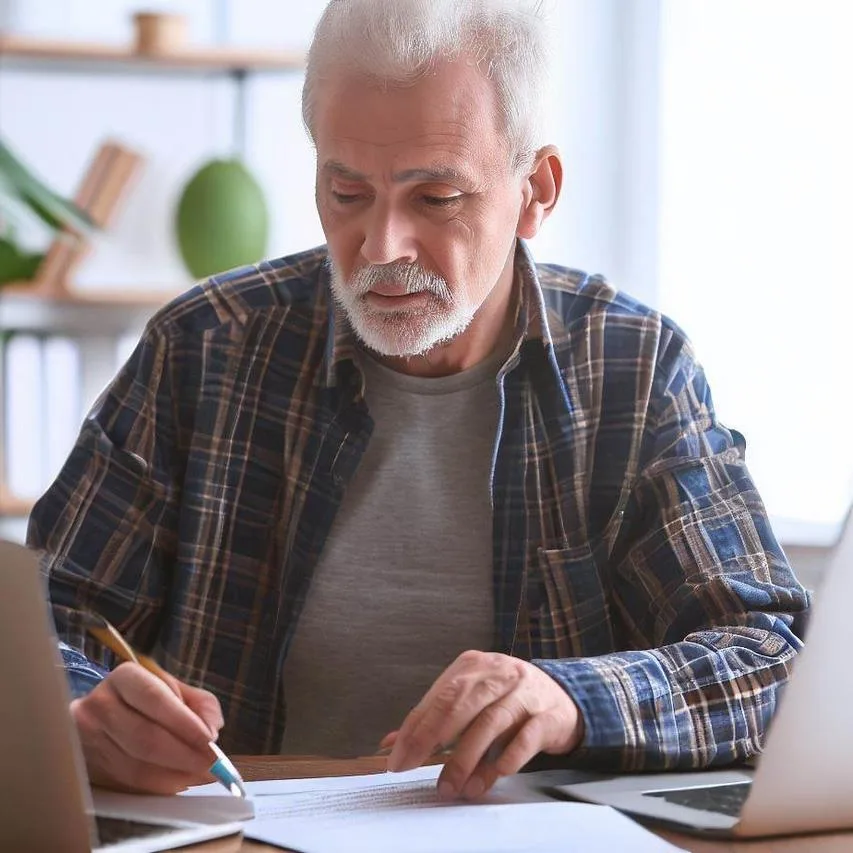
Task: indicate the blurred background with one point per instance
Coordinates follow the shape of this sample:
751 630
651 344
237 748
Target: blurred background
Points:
708 173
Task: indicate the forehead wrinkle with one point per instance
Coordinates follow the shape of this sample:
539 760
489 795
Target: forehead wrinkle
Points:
446 146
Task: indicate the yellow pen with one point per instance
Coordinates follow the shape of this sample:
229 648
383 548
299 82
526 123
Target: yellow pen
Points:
223 768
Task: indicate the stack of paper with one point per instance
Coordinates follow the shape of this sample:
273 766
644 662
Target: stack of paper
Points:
401 813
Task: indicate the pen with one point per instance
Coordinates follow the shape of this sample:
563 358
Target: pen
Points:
223 768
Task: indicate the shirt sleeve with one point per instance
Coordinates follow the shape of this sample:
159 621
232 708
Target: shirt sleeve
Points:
83 675
703 596
106 526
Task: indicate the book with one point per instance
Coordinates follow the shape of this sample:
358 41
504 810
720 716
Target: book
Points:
23 416
104 185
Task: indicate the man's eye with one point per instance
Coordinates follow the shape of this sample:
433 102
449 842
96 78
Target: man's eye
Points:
346 198
441 200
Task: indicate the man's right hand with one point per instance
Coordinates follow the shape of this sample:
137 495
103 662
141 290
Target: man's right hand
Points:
140 734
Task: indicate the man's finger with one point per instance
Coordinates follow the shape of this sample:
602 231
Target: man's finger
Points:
474 681
398 759
413 718
497 762
108 724
144 740
528 742
204 705
389 740
494 726
115 770
481 780
108 763
426 730
155 700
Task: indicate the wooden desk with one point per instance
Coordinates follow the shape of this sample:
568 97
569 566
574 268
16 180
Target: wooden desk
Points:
276 767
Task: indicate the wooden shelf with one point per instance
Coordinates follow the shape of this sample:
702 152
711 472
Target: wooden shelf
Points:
128 296
15 507
18 49
80 313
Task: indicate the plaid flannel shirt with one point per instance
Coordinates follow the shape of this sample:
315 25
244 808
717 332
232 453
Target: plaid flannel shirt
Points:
633 558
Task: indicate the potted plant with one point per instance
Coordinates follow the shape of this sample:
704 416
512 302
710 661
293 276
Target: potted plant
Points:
24 201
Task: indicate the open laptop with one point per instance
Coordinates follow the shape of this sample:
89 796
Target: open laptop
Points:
804 779
46 803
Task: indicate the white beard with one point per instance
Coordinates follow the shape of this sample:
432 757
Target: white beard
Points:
401 333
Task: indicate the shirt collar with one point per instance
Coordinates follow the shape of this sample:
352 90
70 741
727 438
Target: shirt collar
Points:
341 341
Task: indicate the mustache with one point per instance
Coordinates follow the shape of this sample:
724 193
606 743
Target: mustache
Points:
412 276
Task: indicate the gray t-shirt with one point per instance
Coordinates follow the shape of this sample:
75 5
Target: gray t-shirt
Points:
404 583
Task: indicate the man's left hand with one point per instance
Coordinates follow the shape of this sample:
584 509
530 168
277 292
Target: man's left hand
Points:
499 712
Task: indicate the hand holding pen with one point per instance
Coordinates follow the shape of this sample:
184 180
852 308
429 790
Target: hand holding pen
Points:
143 730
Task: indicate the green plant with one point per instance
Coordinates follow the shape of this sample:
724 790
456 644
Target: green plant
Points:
24 197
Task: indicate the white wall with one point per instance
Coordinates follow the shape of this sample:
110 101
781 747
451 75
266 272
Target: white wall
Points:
756 228
603 118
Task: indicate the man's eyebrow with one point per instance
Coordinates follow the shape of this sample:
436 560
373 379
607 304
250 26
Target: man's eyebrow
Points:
342 171
439 174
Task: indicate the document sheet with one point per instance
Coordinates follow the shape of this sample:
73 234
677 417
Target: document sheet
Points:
401 813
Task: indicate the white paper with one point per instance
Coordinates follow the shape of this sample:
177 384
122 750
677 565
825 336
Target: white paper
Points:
401 812
541 827
327 795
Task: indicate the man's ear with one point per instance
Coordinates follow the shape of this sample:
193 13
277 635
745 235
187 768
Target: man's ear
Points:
540 192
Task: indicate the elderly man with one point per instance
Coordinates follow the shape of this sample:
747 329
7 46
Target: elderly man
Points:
411 488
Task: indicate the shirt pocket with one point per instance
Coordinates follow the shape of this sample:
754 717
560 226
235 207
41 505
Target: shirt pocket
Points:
119 493
570 604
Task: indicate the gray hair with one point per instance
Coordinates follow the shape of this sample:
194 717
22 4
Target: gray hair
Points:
396 42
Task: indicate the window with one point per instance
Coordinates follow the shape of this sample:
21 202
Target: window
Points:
756 206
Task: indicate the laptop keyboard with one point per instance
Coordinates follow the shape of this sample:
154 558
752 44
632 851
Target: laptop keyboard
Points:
725 799
113 830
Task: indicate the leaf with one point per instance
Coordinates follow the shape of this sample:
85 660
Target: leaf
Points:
16 265
16 212
51 208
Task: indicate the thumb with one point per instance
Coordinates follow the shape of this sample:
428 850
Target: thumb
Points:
205 706
389 740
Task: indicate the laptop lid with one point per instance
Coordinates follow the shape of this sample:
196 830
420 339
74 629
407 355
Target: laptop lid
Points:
44 804
805 775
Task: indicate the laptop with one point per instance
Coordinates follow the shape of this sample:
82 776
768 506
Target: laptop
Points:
804 778
46 802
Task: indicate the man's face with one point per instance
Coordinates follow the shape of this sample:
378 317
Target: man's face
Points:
420 206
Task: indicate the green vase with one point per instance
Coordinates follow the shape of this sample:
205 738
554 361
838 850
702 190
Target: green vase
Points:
221 219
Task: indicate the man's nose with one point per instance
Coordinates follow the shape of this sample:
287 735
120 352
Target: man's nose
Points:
388 237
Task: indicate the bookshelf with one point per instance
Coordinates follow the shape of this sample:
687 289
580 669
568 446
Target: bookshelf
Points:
51 307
